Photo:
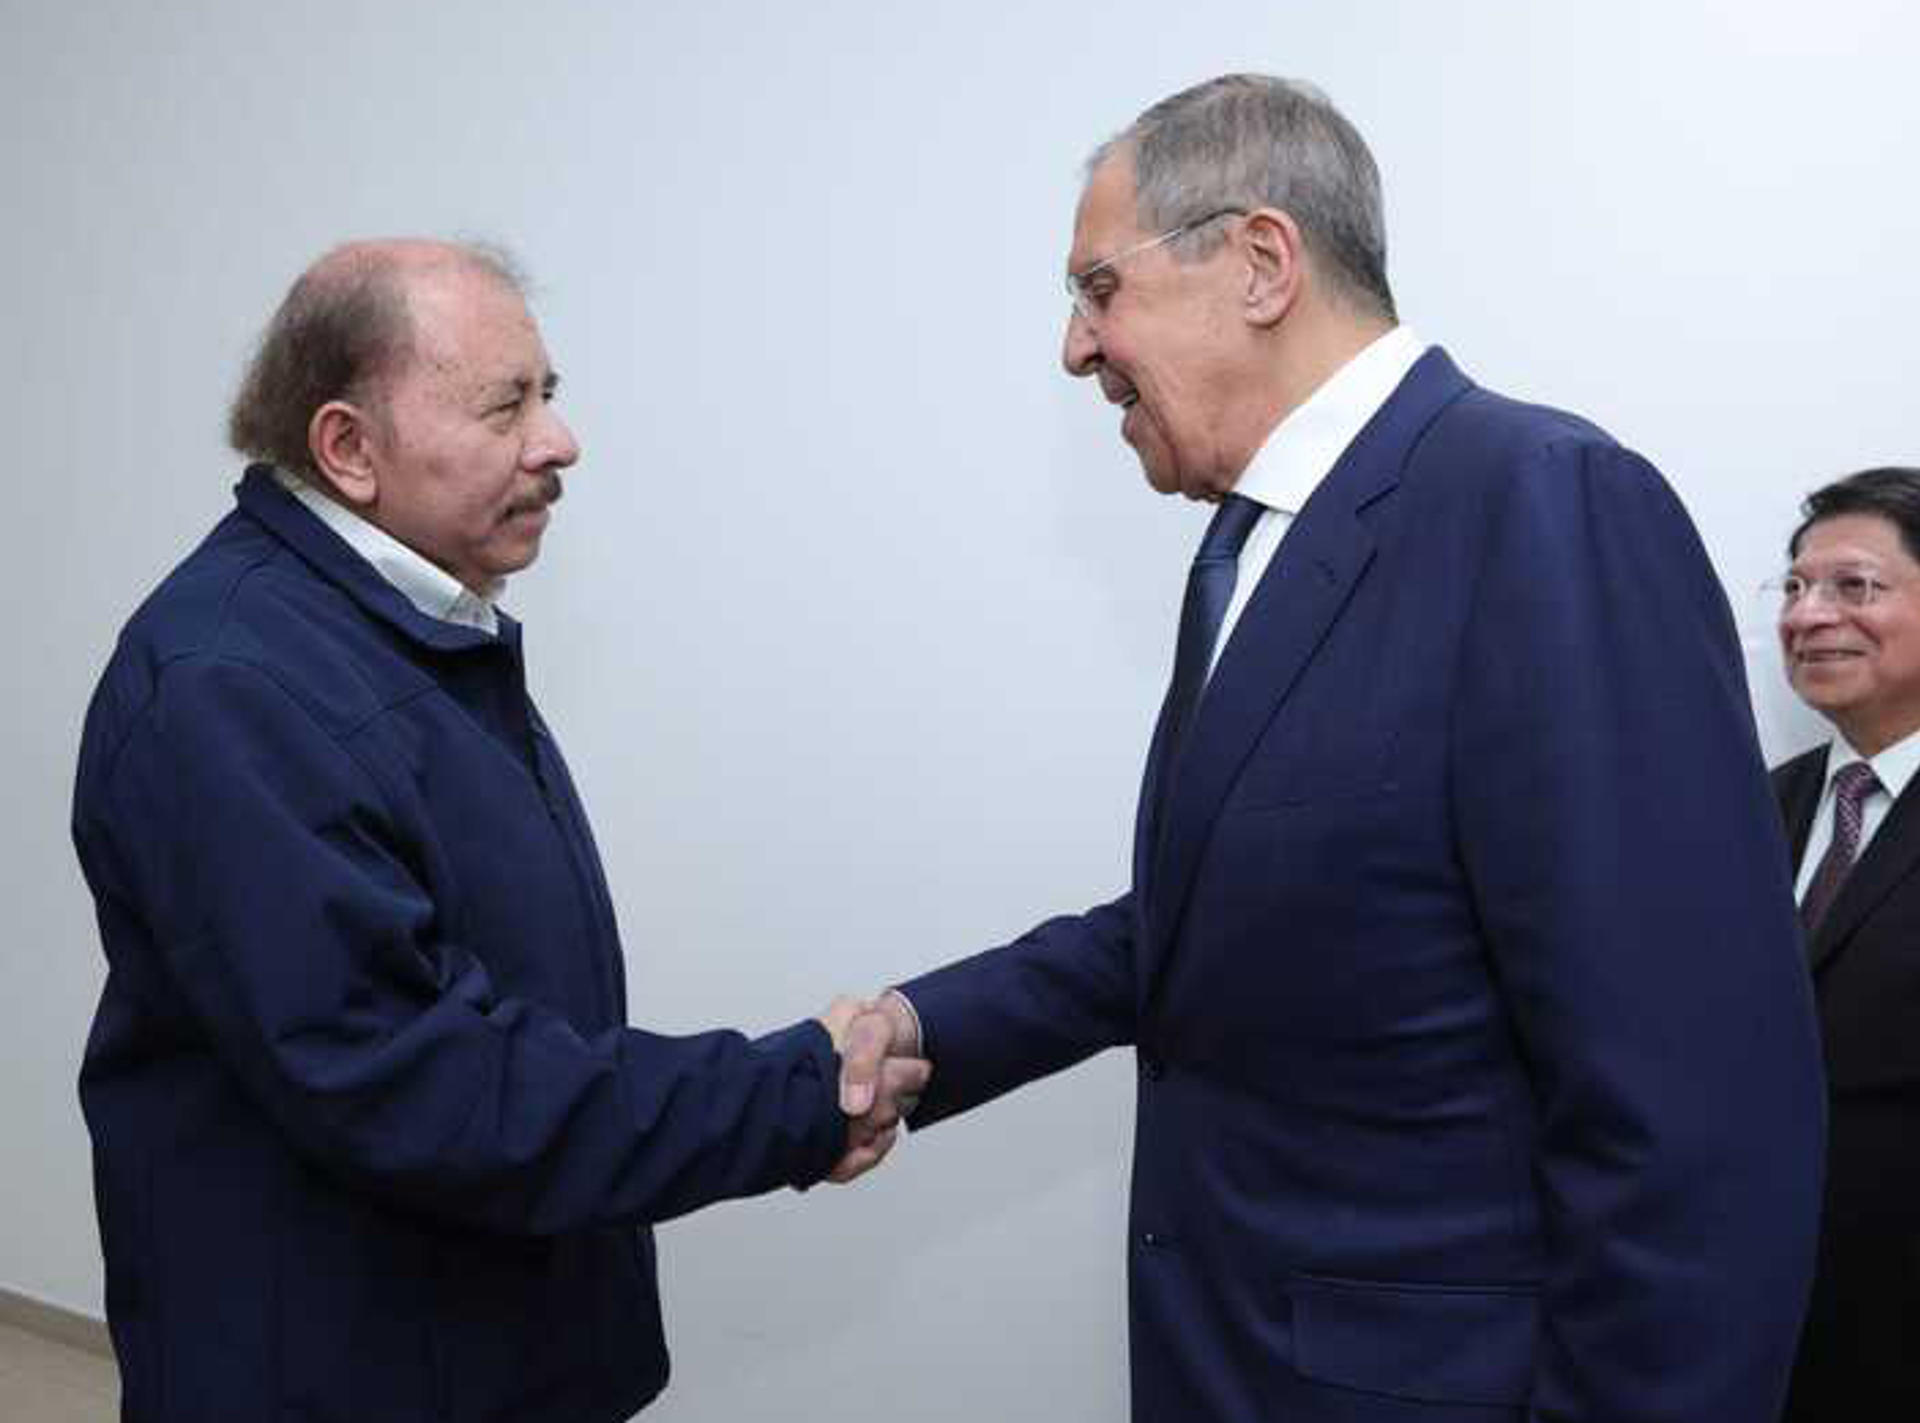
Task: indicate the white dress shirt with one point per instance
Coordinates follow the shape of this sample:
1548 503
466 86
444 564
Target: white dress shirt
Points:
1893 768
1302 451
426 585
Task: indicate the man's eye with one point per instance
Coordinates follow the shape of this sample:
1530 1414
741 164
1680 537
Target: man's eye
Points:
1852 587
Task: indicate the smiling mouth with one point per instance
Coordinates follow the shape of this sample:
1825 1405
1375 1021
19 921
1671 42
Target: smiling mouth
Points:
1825 656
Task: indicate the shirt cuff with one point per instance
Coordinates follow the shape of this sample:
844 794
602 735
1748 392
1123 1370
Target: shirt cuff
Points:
913 1016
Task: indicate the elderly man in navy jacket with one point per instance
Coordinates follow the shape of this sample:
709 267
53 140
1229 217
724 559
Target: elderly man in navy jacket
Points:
371 1136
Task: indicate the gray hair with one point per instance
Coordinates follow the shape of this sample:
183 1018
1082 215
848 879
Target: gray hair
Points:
1251 140
342 331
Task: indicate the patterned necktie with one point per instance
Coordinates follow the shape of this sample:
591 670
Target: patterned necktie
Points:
1852 784
1209 589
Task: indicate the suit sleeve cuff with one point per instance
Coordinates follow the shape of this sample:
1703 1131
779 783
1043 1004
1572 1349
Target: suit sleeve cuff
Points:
826 1139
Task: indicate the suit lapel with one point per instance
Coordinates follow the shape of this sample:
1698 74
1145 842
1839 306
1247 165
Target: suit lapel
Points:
1323 557
1146 826
1890 857
1798 785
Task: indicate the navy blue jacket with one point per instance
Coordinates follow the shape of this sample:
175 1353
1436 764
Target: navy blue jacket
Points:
1478 1072
371 1137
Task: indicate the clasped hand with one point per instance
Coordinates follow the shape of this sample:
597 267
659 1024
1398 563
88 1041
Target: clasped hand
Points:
881 1076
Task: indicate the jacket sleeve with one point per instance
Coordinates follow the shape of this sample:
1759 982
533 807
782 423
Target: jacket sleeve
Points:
287 906
1627 866
1051 998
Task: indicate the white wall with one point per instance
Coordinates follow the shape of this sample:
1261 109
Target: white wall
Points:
800 267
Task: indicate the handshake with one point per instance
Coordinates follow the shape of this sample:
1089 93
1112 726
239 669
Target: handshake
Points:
881 1075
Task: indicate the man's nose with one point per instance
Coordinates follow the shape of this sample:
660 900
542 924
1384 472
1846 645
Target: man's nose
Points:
1813 608
553 446
1080 352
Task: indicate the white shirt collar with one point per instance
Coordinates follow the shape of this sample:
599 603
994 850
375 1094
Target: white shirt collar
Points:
426 585
1304 446
1893 767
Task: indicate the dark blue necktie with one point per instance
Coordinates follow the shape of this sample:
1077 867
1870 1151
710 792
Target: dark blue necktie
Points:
1209 590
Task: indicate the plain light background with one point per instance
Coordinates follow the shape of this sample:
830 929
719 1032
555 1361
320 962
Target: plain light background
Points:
857 612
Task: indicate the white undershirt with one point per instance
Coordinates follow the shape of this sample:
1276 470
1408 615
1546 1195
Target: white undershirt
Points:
1893 768
1302 451
426 585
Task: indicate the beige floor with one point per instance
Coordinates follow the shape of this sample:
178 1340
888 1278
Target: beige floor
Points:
43 1382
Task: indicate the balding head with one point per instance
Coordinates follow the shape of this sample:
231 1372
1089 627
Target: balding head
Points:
342 332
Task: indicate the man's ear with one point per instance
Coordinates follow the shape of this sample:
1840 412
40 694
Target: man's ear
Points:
1275 265
340 438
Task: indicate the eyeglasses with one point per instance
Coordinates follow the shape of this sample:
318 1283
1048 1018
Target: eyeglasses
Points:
1087 303
1847 588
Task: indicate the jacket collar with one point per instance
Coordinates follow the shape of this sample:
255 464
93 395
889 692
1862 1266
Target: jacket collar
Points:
262 499
1892 856
1798 784
427 586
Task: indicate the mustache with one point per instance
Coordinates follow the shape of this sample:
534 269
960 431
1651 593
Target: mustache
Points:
549 490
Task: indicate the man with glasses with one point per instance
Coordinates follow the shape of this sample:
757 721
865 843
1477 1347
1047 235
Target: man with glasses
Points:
1850 634
1452 843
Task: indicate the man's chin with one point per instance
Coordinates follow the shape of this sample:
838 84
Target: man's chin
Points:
1835 703
506 560
1166 477
1161 478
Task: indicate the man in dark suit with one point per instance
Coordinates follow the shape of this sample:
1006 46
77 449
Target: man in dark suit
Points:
1453 835
1850 633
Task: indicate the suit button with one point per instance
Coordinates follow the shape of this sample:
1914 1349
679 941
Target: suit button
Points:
1152 1068
1152 1239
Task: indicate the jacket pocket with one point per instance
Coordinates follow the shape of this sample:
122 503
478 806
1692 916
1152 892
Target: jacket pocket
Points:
1422 1342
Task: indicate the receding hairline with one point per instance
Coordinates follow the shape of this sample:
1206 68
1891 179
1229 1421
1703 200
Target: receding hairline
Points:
349 323
406 258
418 271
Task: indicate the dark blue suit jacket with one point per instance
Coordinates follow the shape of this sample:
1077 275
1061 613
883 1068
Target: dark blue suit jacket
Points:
1478 1074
